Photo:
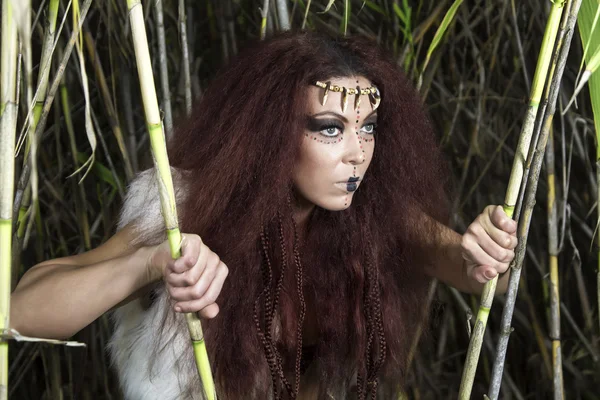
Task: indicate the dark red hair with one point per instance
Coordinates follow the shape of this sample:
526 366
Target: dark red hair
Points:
241 145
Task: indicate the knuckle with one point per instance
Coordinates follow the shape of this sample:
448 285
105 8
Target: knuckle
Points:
213 259
198 291
223 267
211 297
511 256
467 242
502 255
189 280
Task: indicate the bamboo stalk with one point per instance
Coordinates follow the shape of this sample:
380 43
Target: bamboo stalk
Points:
26 172
557 380
81 209
165 182
550 97
185 59
8 126
514 184
264 12
164 70
283 14
42 86
108 102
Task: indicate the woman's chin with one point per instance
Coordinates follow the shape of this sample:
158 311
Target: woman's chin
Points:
338 204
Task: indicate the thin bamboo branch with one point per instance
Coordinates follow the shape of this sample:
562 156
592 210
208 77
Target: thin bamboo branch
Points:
514 184
557 380
108 103
84 224
164 70
42 86
165 181
185 59
551 94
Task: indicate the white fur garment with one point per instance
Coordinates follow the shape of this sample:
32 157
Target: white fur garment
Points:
150 347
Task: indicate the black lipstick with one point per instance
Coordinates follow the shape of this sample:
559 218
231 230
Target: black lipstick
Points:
351 185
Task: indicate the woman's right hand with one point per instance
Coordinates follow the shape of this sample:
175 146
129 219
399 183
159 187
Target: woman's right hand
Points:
195 279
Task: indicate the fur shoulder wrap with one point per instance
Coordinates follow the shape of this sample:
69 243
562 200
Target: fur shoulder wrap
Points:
150 347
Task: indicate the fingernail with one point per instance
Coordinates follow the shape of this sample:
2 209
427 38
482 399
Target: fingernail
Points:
489 274
177 309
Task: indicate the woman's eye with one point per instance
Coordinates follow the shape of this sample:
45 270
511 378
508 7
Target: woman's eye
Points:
369 128
330 131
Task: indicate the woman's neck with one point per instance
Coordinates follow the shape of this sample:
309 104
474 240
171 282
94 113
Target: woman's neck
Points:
302 210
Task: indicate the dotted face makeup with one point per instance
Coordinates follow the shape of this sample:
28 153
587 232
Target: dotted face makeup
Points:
316 137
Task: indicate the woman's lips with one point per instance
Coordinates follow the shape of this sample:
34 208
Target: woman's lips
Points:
348 186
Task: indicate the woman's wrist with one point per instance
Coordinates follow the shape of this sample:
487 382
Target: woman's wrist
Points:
147 272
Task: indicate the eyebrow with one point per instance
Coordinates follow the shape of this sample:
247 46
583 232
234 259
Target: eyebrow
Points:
340 116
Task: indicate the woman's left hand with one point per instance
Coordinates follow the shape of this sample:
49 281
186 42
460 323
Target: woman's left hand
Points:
488 244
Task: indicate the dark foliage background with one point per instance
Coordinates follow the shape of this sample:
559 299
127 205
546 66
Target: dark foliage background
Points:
476 88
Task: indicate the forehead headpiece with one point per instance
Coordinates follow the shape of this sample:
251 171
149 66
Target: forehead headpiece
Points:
373 92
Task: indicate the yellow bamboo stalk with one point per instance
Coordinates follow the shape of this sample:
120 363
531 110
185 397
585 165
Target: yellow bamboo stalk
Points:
512 193
165 182
8 125
554 288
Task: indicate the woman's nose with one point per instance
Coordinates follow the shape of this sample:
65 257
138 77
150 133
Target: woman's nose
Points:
354 150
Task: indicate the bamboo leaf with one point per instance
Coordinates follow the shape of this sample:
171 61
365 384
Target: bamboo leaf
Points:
327 8
437 38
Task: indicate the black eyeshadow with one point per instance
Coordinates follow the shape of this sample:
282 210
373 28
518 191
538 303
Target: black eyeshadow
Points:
318 124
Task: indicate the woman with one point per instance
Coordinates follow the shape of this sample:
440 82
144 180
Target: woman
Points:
312 175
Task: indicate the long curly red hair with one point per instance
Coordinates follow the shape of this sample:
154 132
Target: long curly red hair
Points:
362 268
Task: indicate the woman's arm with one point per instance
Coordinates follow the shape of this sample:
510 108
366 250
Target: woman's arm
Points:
57 298
466 262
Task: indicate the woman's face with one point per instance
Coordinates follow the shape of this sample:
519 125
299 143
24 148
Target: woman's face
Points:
337 147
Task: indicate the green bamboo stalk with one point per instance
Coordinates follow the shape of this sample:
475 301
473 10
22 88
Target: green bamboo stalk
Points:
165 182
534 163
8 126
512 193
264 12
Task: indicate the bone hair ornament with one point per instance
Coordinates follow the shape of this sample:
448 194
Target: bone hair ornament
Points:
372 92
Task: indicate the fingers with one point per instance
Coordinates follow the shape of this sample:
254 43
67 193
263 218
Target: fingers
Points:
481 266
500 220
207 298
191 246
207 260
198 287
496 243
209 311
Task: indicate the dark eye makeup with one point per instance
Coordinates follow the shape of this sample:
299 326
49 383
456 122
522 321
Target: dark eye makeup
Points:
318 124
